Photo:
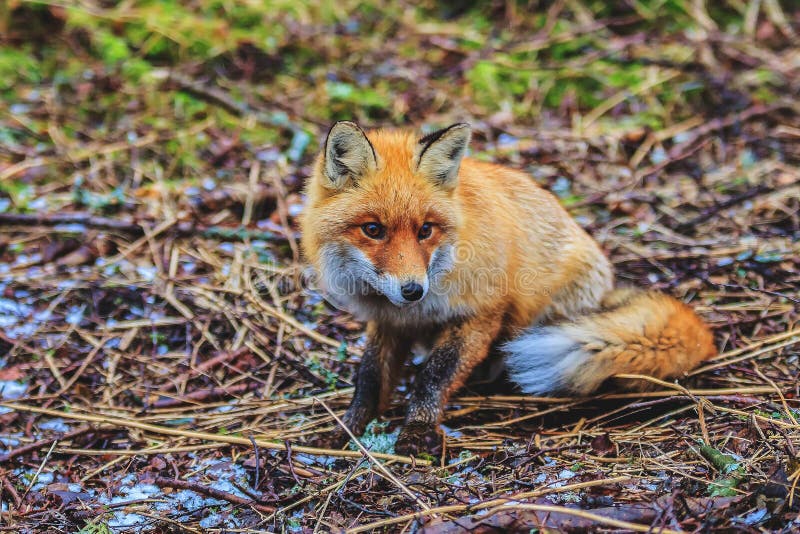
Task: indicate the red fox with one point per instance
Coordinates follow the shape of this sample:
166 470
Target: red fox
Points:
468 258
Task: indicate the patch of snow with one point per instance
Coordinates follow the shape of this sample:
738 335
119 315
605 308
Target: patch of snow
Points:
755 517
12 390
56 425
220 520
450 433
74 315
147 272
121 521
10 441
566 474
42 481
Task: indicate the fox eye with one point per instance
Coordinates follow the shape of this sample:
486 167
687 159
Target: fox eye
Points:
373 230
425 231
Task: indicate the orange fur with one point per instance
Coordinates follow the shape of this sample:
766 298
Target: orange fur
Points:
503 255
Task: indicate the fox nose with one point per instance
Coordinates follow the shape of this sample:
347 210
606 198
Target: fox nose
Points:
412 291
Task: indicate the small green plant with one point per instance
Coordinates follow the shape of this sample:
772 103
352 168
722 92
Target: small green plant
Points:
95 526
731 472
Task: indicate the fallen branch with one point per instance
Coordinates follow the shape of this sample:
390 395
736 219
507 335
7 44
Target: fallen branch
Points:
137 229
36 445
85 219
205 436
470 508
721 123
204 367
94 150
524 517
712 211
11 491
217 96
213 493
204 395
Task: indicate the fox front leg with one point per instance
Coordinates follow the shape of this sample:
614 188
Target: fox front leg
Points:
375 380
456 352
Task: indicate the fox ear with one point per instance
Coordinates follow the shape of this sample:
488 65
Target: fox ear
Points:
439 154
348 154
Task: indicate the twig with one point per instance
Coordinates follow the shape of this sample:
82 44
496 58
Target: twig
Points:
39 471
483 505
210 364
382 468
88 220
258 461
212 492
291 465
636 517
36 445
709 213
85 219
201 395
91 151
216 438
721 123
12 492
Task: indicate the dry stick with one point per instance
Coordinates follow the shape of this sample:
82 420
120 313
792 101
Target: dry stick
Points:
93 151
699 401
200 395
48 358
36 445
795 478
176 525
726 122
135 452
535 414
77 374
201 368
39 471
321 513
329 489
388 474
283 212
111 463
294 323
755 390
85 219
231 440
12 492
608 104
212 492
776 422
747 356
710 212
594 518
758 344
258 461
777 390
132 228
482 505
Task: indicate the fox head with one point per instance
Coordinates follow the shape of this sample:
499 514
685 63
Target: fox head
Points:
382 215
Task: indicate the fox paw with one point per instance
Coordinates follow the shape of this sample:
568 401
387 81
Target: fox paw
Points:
418 437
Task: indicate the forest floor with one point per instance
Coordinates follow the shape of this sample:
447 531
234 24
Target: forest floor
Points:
164 368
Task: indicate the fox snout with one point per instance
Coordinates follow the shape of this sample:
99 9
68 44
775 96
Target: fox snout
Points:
402 291
347 272
412 291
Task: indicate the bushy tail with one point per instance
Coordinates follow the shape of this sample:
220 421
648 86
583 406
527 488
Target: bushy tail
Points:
634 332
